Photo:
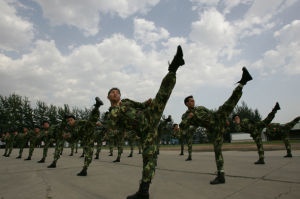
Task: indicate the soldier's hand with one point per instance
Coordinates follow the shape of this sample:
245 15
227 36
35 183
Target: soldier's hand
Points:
149 101
98 123
191 115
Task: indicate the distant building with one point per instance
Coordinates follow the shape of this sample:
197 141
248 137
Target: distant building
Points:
295 132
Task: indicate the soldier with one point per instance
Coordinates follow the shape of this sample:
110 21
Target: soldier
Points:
84 130
34 139
143 118
161 129
132 138
119 139
178 134
22 141
99 138
60 133
215 122
46 136
255 129
284 132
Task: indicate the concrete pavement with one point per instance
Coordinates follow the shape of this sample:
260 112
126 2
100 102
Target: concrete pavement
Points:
175 178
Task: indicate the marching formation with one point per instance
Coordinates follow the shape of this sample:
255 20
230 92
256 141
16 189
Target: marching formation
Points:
143 124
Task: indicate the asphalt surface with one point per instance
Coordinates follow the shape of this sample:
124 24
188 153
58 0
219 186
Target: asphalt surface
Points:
175 177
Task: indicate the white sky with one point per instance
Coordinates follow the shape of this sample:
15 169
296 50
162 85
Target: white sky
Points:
68 52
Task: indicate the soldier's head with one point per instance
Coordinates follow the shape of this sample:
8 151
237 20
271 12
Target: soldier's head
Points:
189 102
175 126
114 95
15 132
46 124
236 119
25 129
71 119
36 129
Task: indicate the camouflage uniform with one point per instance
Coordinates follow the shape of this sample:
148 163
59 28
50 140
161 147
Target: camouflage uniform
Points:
284 132
161 130
188 134
215 123
22 141
255 129
132 138
57 134
180 135
34 139
47 138
99 138
143 118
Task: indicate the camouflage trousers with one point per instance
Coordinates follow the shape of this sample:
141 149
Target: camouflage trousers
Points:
22 146
131 143
260 148
153 114
98 148
216 123
58 149
120 142
181 142
46 147
88 149
287 144
31 148
189 140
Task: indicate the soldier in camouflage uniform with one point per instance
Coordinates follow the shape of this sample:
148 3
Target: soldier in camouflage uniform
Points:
131 138
22 141
59 133
283 130
47 138
12 141
5 138
126 115
178 134
255 129
34 139
85 131
161 129
215 122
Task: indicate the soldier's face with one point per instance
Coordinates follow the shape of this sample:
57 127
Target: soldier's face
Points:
237 119
36 130
16 133
190 103
114 96
46 125
25 129
71 121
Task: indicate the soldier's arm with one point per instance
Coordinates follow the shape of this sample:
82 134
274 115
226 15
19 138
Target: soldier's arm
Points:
135 104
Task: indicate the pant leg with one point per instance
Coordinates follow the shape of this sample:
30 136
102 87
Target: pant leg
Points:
218 143
45 150
226 109
287 145
190 144
58 149
31 149
260 148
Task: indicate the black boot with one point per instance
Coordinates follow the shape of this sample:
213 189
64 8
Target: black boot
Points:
288 155
83 172
220 179
19 157
276 107
110 154
96 157
130 155
117 160
52 165
189 158
98 102
177 60
42 160
260 161
29 158
7 155
71 154
245 77
181 153
82 155
143 192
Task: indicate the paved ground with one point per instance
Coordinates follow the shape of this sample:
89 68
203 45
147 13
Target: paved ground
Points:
175 178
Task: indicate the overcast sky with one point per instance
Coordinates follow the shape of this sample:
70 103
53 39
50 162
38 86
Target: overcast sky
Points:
69 51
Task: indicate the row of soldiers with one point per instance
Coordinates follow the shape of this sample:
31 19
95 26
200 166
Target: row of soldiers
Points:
144 121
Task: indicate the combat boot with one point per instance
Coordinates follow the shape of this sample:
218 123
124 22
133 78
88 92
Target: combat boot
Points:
177 60
42 160
260 161
110 154
83 172
96 157
143 192
181 153
98 102
4 155
82 155
19 157
52 165
245 77
276 107
130 155
289 154
29 158
117 160
220 179
189 158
